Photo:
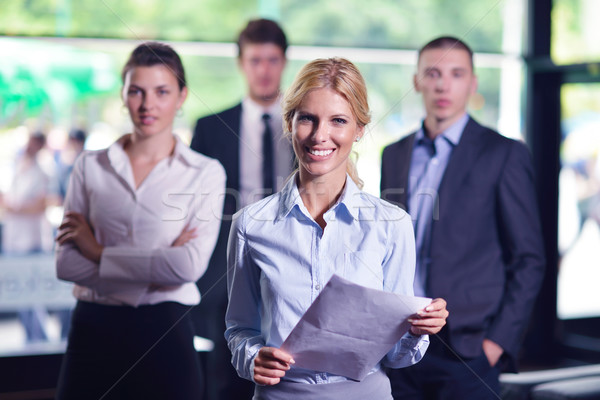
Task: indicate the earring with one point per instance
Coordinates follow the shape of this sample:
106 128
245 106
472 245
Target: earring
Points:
179 112
124 110
356 139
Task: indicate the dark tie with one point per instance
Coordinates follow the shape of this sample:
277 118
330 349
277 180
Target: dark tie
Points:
267 156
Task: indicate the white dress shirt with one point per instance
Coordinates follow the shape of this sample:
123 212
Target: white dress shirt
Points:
279 260
251 150
137 226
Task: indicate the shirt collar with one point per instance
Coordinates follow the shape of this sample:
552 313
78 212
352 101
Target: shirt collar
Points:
256 110
119 160
452 134
290 198
350 198
117 156
184 153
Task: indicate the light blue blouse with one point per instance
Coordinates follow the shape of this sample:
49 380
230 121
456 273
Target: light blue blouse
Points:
279 259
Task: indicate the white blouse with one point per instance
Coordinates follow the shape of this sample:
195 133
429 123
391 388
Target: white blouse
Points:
137 226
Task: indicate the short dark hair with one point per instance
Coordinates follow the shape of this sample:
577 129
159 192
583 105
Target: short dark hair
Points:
447 42
154 53
260 31
39 137
77 134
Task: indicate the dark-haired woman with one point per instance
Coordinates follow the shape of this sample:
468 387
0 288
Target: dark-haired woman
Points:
141 221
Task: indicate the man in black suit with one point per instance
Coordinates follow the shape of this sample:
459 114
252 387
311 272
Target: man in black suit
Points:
248 140
470 192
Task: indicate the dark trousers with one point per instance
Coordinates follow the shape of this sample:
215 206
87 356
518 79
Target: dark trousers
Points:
442 375
222 380
120 352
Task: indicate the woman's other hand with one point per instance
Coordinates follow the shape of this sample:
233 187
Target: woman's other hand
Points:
74 228
430 320
270 365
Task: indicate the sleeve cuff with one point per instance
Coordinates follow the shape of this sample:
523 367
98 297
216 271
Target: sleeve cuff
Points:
414 341
252 354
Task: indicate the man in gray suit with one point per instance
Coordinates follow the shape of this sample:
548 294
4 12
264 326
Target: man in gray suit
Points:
471 194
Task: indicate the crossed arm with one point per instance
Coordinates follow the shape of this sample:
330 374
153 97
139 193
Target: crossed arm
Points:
75 229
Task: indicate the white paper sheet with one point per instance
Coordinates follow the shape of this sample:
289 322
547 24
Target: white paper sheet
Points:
349 328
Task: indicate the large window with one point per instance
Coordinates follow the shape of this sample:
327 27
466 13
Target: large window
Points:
579 205
353 23
575 31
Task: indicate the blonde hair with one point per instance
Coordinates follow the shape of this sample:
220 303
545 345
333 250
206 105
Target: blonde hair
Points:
339 75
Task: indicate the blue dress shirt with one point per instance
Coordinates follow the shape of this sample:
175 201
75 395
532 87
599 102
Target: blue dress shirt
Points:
427 166
279 259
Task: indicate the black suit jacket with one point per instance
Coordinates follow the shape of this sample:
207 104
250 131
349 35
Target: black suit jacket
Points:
218 136
486 247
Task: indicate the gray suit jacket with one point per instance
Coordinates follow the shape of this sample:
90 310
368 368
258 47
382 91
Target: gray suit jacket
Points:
486 248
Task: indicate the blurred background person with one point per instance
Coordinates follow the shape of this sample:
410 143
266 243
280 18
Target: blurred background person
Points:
65 159
26 230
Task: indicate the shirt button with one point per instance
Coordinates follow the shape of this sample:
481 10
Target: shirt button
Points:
318 287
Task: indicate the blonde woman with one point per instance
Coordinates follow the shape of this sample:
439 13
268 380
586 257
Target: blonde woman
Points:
283 249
